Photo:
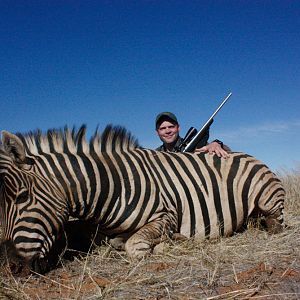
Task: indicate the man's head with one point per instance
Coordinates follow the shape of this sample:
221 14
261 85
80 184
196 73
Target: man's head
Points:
167 128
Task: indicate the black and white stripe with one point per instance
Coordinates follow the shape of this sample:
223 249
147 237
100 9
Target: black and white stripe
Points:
127 190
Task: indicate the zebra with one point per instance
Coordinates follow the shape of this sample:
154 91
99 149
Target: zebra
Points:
139 194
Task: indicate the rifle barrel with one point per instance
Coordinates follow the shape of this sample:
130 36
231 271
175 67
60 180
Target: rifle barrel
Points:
192 143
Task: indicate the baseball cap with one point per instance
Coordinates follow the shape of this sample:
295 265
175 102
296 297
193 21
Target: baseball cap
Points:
167 115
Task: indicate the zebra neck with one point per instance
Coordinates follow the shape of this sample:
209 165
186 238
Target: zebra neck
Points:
86 180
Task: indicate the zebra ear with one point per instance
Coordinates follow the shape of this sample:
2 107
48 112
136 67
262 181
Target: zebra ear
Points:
14 147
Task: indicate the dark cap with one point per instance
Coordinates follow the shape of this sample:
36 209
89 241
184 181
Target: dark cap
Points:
166 115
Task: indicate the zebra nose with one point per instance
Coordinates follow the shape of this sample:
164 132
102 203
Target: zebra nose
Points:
39 265
19 268
12 260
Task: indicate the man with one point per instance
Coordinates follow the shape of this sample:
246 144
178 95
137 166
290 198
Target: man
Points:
168 128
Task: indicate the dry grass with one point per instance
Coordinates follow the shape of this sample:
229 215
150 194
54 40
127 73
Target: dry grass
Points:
250 265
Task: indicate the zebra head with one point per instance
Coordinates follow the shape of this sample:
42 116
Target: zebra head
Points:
31 225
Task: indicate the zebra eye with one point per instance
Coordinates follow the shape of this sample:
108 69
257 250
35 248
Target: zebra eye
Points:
22 197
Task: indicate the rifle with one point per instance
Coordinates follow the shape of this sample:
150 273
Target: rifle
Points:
192 138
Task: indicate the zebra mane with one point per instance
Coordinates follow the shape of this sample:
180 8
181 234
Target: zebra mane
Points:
112 139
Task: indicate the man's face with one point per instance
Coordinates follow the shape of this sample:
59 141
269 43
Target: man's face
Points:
168 132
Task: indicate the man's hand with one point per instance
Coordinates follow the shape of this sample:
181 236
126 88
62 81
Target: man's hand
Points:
213 147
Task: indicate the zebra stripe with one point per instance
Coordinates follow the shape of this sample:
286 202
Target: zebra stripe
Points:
129 191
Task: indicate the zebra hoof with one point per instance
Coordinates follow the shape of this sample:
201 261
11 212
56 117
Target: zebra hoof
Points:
159 249
179 237
137 249
118 243
273 225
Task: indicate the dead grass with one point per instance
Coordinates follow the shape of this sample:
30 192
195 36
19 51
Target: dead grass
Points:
250 265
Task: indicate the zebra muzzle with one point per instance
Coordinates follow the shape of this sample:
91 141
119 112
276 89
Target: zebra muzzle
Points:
12 260
19 266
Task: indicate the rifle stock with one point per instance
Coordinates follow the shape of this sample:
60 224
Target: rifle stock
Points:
192 144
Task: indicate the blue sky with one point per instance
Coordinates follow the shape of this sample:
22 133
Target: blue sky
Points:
122 62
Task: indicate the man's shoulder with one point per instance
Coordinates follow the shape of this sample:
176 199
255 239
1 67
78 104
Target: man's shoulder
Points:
160 148
163 148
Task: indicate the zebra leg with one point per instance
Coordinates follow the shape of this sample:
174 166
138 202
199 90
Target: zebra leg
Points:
143 241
